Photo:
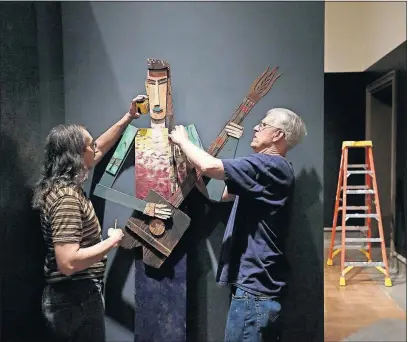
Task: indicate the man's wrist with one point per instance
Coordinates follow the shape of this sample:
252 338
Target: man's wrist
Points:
183 144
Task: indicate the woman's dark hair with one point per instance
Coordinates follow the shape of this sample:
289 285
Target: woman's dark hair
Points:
63 161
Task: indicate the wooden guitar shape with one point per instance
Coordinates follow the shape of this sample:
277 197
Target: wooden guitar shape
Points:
160 237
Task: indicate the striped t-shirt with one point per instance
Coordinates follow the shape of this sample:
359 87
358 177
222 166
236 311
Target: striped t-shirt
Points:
70 217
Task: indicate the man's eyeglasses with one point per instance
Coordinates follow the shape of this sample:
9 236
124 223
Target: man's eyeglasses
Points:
263 125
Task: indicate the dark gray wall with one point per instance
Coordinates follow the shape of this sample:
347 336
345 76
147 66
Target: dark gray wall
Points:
25 76
380 132
344 102
397 60
215 51
344 119
49 33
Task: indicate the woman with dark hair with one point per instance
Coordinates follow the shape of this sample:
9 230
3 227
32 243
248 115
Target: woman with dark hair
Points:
75 261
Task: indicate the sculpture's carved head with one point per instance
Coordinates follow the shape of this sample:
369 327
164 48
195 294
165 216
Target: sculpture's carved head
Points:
157 87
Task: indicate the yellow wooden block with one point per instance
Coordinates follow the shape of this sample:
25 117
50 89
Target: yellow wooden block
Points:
364 143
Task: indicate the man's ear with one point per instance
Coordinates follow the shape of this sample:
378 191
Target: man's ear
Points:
278 135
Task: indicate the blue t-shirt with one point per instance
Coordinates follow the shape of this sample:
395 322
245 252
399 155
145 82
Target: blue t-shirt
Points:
252 248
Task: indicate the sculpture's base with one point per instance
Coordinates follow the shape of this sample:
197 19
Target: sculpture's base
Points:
160 298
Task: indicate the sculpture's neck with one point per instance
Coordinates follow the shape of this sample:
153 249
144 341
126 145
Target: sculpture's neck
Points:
157 123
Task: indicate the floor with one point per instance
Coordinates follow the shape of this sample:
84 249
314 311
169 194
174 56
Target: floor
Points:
364 309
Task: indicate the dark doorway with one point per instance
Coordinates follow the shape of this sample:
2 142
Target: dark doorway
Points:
381 109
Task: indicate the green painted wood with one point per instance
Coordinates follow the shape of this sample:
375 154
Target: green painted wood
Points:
193 136
104 189
215 187
119 198
119 156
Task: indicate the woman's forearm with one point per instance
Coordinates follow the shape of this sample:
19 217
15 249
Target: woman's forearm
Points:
85 257
71 258
109 138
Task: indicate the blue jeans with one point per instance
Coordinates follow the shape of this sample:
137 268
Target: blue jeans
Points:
253 318
74 311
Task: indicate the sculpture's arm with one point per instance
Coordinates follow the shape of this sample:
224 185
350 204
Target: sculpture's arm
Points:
215 189
118 197
104 188
109 138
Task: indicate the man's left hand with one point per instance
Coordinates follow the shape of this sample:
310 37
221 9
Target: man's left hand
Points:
178 135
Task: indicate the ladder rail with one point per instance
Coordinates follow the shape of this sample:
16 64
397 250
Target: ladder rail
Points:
378 210
368 200
343 214
336 212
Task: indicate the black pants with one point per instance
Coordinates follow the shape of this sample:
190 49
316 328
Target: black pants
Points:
74 311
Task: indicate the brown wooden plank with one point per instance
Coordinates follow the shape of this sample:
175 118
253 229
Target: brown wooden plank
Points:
174 230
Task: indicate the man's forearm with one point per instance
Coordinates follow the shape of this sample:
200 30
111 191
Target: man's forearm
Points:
198 157
105 142
203 161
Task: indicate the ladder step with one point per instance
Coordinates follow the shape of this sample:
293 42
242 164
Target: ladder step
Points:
352 247
356 192
357 166
361 216
353 228
362 240
356 187
359 172
351 207
364 263
362 143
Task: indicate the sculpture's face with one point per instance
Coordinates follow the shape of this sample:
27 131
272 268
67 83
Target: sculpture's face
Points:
156 90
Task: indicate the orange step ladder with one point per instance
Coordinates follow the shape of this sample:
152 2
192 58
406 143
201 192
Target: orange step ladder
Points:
370 190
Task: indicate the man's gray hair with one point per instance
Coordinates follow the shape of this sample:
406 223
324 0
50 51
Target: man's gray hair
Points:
289 122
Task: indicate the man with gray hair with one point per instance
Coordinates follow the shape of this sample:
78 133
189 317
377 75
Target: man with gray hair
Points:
262 186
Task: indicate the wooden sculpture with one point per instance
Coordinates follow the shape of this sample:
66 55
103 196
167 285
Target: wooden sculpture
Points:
159 237
162 179
158 164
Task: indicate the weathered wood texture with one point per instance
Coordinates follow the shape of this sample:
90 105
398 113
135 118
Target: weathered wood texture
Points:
260 87
181 160
152 162
165 243
156 249
121 150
